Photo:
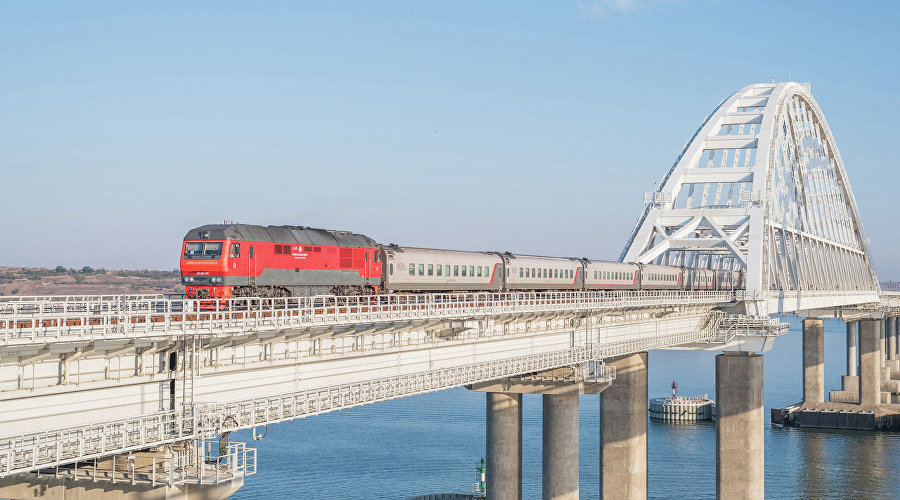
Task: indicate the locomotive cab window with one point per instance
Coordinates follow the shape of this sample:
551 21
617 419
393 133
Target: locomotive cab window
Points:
203 250
235 250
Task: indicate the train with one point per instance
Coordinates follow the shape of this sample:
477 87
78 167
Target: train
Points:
244 260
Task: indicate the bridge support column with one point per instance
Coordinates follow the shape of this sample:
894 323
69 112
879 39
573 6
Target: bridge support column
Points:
870 345
882 345
896 337
561 388
891 338
851 348
813 360
560 447
504 446
739 425
623 430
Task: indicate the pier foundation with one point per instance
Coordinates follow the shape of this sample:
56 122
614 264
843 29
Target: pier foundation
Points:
739 425
560 447
870 352
504 446
623 431
813 360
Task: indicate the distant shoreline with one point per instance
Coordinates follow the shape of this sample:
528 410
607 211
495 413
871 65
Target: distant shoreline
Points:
29 281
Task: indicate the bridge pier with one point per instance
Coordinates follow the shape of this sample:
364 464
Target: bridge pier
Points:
623 430
851 349
813 360
739 425
891 332
560 389
870 345
503 445
559 459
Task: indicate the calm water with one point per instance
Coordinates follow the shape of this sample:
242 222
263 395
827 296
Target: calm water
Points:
431 443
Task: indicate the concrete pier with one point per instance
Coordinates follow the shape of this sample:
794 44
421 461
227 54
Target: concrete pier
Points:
870 345
623 431
739 425
813 360
891 333
503 438
560 447
851 348
897 334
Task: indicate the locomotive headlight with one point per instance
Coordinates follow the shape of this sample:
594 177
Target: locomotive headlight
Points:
216 279
188 279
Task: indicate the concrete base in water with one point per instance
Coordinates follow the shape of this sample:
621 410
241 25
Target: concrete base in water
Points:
682 409
833 415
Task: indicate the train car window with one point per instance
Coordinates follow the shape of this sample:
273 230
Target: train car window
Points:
447 269
440 270
471 270
527 272
479 270
235 250
463 270
412 269
421 269
391 269
455 270
521 272
430 269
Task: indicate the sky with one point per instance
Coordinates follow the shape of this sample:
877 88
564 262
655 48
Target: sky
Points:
523 126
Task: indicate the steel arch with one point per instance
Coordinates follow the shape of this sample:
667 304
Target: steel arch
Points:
760 187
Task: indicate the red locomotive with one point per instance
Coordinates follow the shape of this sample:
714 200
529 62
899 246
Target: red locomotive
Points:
240 260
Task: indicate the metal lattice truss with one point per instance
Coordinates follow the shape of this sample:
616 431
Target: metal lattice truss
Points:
760 188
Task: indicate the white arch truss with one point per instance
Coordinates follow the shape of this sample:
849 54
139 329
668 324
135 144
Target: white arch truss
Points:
761 187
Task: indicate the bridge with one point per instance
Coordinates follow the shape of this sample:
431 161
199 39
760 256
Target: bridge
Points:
137 395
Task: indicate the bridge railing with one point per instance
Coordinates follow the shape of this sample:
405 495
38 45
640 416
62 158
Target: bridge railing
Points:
41 321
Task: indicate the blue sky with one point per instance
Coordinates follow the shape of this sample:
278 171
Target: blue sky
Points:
524 126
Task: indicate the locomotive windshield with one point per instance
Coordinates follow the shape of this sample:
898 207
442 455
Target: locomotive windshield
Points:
204 250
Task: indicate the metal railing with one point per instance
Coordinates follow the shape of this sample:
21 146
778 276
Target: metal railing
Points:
253 412
42 321
46 449
726 327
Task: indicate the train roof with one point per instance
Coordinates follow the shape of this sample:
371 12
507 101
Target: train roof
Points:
281 234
